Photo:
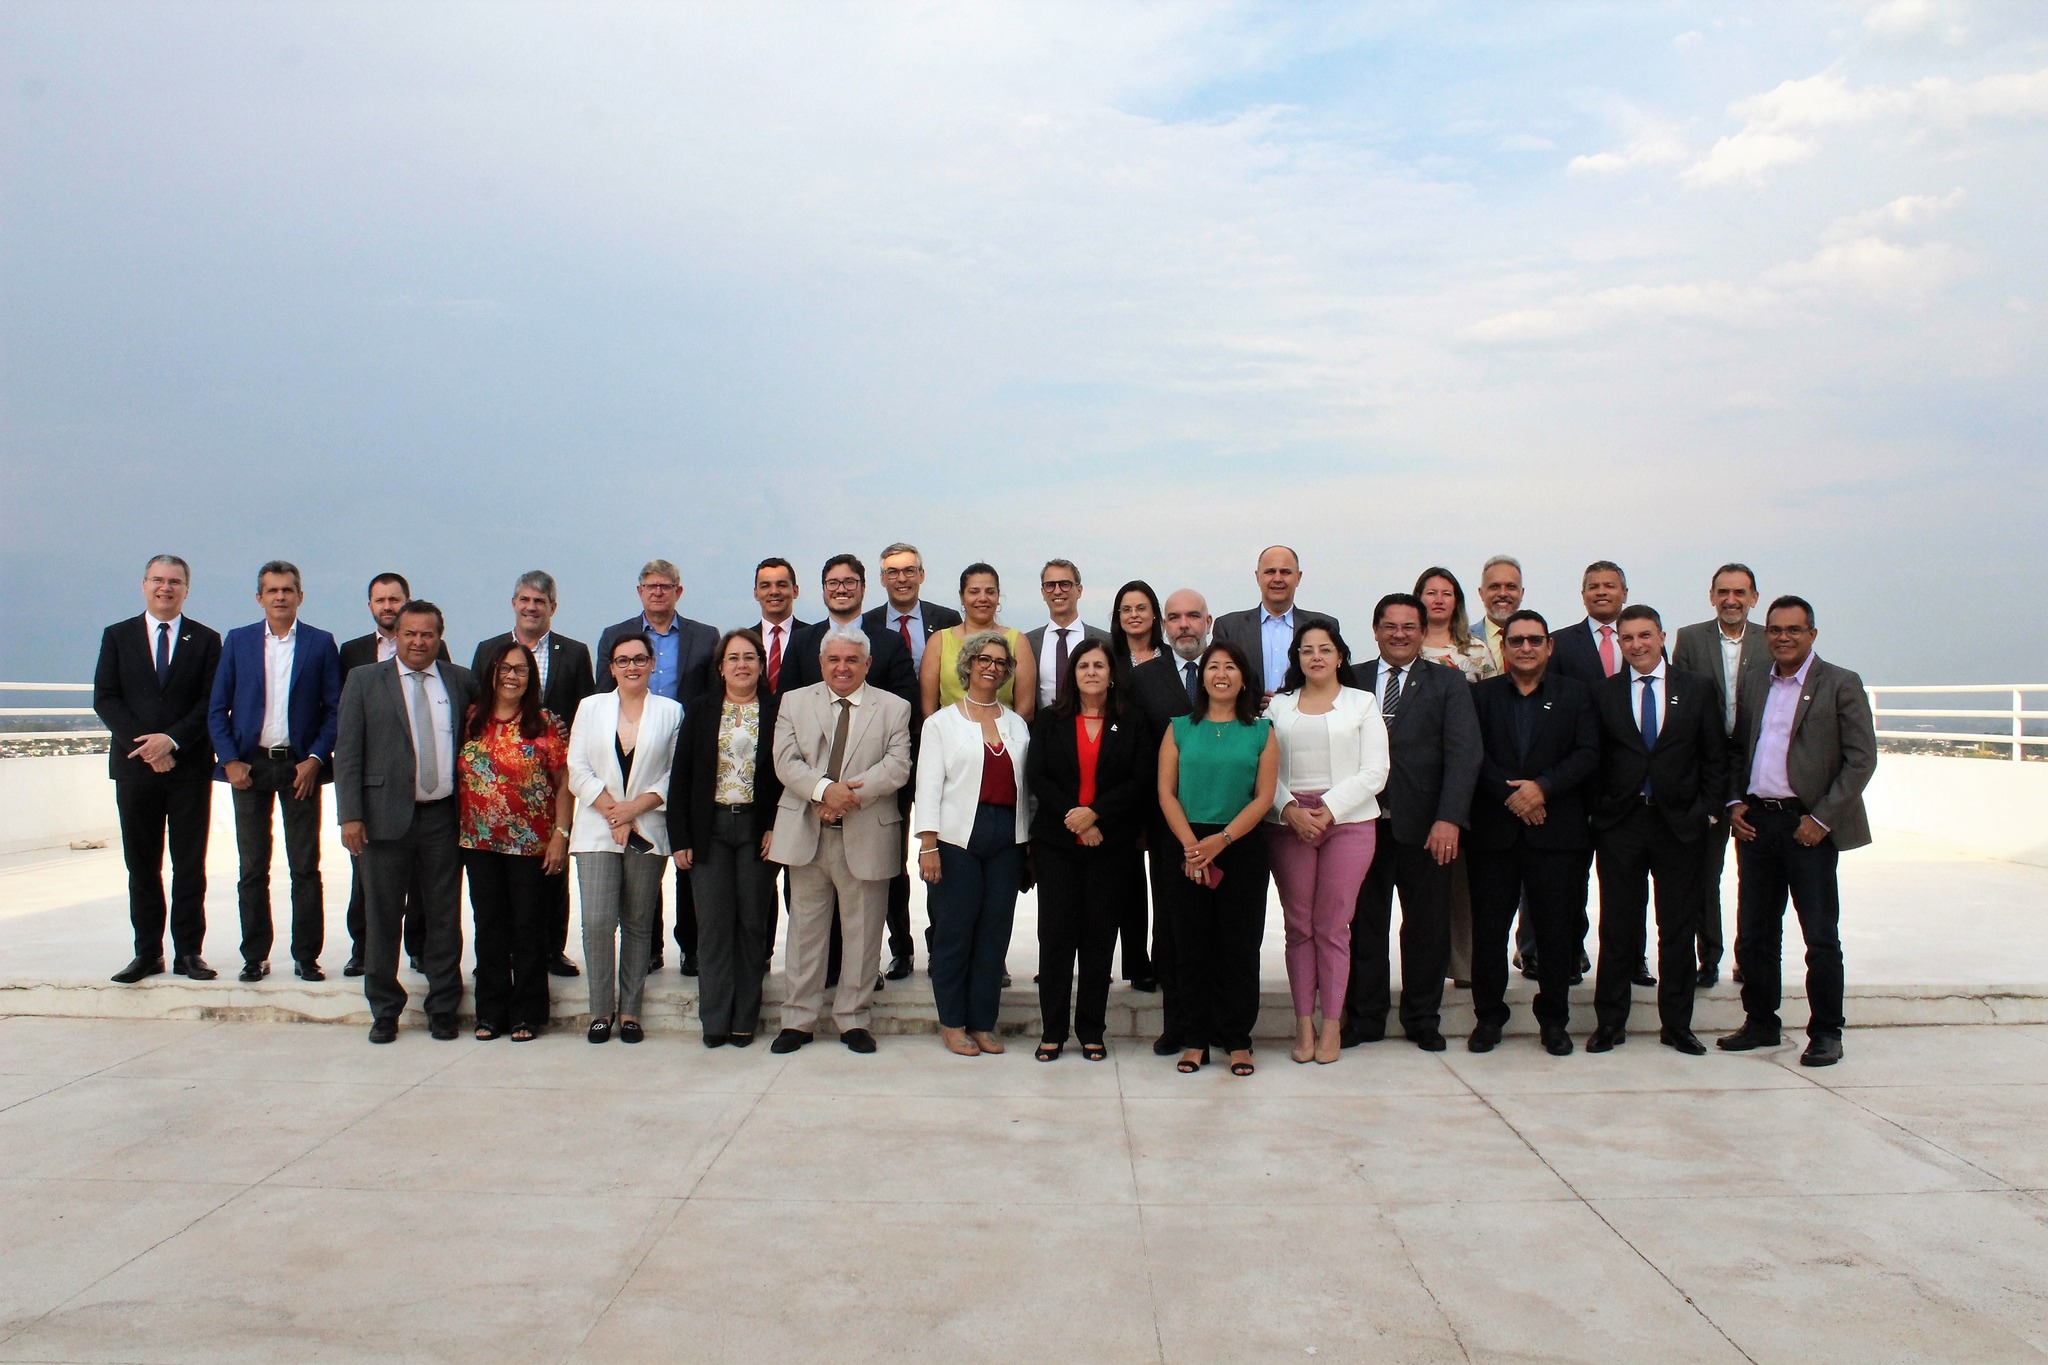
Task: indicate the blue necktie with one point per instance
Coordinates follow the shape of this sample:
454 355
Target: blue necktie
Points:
1194 683
1649 719
163 652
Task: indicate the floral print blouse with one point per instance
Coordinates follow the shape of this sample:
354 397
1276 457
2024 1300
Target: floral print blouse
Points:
739 739
505 787
1475 661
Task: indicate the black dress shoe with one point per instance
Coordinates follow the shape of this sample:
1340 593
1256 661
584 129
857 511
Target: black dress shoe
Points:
1683 1040
194 966
789 1040
1557 1042
630 1031
1748 1038
899 967
1822 1051
384 1031
1163 1046
742 1040
1585 963
562 966
654 964
1428 1039
1641 976
1483 1038
254 971
1528 966
1606 1039
1147 984
138 969
1349 1036
1707 979
858 1040
717 1039
689 967
441 1027
308 971
1006 981
354 965
881 983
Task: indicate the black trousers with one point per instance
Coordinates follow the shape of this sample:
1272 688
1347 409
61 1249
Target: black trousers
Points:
1163 862
735 920
514 920
1082 895
557 889
357 900
1554 884
1772 866
270 785
150 807
428 854
1425 889
1713 850
1632 854
1216 939
686 920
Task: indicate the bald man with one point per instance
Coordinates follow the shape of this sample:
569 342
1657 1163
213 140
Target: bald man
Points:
1266 631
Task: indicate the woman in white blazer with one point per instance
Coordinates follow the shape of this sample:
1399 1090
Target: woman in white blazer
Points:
620 750
973 815
1322 828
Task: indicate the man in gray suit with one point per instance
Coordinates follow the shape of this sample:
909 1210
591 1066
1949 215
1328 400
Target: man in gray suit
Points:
394 791
1725 650
1059 583
1266 632
842 750
1806 745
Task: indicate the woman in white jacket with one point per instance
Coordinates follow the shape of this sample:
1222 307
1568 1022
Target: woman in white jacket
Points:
619 755
1321 832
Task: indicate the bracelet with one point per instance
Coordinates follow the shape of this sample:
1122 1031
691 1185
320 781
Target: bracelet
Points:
927 853
1228 838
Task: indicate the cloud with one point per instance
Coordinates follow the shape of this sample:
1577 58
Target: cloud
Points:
1901 214
1527 142
1900 21
1652 147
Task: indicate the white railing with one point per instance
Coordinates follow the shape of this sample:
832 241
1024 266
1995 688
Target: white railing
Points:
13 712
2012 719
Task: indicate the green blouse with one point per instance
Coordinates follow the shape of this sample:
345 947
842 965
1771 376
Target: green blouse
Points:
1219 767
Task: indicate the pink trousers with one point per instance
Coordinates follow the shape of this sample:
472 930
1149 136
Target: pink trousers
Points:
1318 894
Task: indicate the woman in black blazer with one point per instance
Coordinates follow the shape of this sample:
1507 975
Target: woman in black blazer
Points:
721 817
1090 771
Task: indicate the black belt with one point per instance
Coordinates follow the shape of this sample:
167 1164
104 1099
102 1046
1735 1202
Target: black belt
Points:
1790 805
277 751
736 807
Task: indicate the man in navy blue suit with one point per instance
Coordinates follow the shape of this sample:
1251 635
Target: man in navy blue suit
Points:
276 701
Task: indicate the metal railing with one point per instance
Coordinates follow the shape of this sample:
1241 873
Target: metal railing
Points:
20 712
2007 728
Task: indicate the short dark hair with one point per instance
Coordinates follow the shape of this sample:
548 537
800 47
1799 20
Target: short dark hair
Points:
860 570
1641 611
1066 564
978 567
415 606
1296 679
1605 566
1067 697
1247 695
532 724
1525 614
643 636
1732 567
776 562
398 578
283 568
1398 599
173 561
1788 600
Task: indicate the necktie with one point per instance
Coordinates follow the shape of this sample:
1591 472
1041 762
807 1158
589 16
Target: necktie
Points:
774 658
1059 666
839 729
1392 702
1649 719
903 629
163 652
1607 650
423 737
1194 683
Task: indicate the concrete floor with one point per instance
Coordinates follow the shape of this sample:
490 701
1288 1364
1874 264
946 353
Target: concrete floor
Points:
241 1191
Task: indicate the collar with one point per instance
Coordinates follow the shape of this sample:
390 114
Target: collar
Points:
1597 626
1726 639
538 645
432 670
914 613
176 623
1798 678
291 637
1285 618
1388 665
782 625
1635 677
675 623
855 697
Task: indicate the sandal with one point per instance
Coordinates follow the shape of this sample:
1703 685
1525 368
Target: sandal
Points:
1094 1052
600 1030
1188 1066
1049 1052
486 1032
629 1031
1243 1068
524 1033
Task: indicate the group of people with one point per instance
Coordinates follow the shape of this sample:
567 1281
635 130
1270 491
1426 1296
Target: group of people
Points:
1477 766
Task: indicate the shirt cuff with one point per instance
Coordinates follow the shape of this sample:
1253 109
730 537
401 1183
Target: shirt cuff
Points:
1818 821
818 792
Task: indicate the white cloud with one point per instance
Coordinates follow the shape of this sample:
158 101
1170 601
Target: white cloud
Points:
1898 21
1527 142
1690 40
1901 214
1746 156
1652 147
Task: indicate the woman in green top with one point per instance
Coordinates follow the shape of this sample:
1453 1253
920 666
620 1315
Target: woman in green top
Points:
1217 772
981 593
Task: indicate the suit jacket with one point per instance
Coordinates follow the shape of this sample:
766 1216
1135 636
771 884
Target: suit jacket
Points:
126 696
1833 750
1687 770
786 680
877 753
1158 691
569 675
889 665
693 781
1037 639
1126 778
1699 651
1433 742
1241 628
696 670
374 768
363 650
235 716
1563 753
1576 656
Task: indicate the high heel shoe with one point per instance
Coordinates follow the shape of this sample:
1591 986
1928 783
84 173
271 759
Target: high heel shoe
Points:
1094 1052
1189 1067
1243 1068
1049 1052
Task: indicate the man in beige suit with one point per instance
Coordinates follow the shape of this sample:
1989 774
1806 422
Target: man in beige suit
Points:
842 750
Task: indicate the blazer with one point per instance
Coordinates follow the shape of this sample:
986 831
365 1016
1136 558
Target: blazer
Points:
1126 774
1433 749
696 670
1574 655
1563 752
1833 750
1158 691
693 780
374 768
1358 754
935 617
1687 769
569 675
594 769
363 650
1699 651
312 706
1037 639
1241 628
125 695
877 753
889 665
949 789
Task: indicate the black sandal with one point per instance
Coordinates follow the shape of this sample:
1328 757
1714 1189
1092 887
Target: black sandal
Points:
1188 1068
1241 1068
486 1032
1049 1052
524 1033
600 1030
629 1031
1094 1052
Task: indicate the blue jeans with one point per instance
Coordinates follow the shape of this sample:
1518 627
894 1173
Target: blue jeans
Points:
971 907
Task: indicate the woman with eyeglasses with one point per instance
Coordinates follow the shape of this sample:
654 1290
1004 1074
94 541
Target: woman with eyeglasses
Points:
973 815
1446 634
620 749
721 821
942 679
1218 769
513 809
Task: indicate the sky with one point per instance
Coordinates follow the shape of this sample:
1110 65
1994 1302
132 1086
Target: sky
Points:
463 290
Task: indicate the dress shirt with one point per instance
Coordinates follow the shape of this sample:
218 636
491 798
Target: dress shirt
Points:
1388 673
1767 774
858 696
540 659
1490 633
668 651
387 646
1635 694
277 687
768 632
1048 676
1276 637
1187 669
1614 640
915 616
176 623
1731 673
443 738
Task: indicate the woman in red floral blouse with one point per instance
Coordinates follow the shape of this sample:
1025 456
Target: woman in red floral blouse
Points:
514 808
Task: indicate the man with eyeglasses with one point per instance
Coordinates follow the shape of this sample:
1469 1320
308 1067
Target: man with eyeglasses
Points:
684 669
1059 583
1539 745
1806 746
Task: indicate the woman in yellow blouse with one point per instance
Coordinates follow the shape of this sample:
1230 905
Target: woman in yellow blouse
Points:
981 593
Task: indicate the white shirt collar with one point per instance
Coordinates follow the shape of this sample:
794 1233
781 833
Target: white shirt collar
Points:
1657 672
290 636
855 697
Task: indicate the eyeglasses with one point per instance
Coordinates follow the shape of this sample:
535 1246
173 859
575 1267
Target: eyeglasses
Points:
1786 632
631 660
661 587
743 656
910 571
844 583
1058 585
1526 641
992 661
512 670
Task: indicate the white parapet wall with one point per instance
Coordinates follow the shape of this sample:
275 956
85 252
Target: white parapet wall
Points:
50 802
1992 807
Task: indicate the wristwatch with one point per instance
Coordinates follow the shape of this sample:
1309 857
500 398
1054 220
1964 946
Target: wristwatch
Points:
1227 838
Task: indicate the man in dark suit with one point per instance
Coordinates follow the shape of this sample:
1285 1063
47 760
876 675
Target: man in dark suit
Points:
1266 632
1433 745
1587 651
1539 745
272 720
565 680
1725 650
913 621
684 669
394 790
1806 745
1662 773
151 688
1059 583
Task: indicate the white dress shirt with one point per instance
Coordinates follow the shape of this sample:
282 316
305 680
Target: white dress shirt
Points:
859 695
1731 672
1635 695
1048 672
277 687
387 646
768 639
1388 673
1613 629
443 738
176 623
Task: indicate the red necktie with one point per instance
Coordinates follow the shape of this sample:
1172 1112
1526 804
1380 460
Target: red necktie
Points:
903 628
775 658
1607 650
